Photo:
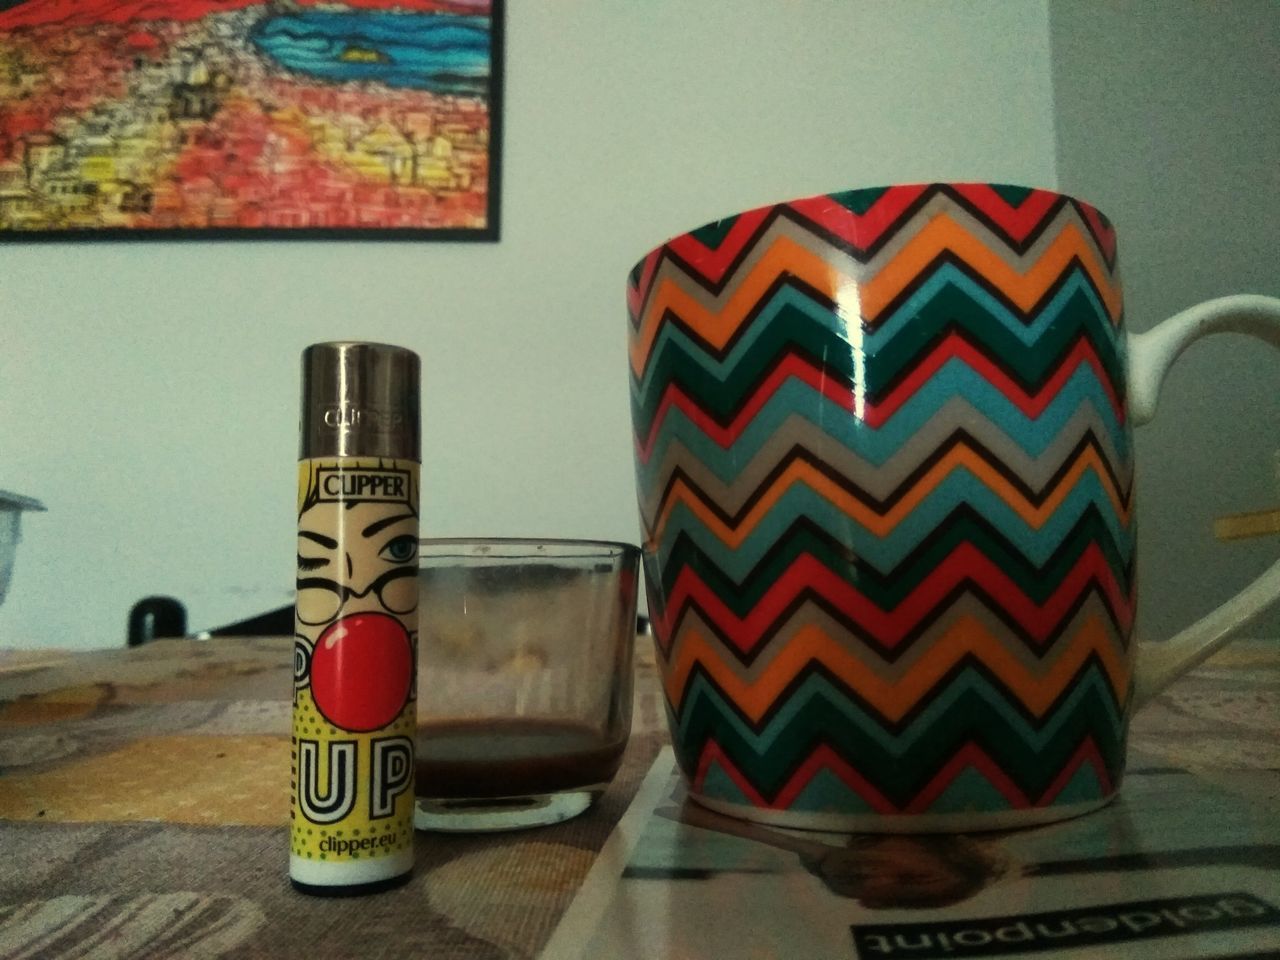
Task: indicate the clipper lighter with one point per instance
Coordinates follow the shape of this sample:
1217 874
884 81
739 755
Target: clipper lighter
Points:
355 620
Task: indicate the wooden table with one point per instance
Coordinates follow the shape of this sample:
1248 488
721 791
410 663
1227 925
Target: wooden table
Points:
144 797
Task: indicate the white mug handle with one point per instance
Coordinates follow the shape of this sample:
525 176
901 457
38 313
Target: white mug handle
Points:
1151 354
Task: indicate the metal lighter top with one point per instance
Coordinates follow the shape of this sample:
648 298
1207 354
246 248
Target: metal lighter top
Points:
360 400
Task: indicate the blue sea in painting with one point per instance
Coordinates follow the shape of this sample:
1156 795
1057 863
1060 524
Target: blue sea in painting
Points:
443 53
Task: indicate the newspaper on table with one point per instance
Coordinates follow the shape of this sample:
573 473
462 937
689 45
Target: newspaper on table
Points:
1180 866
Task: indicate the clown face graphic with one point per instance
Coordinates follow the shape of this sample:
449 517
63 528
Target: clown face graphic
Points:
370 565
357 592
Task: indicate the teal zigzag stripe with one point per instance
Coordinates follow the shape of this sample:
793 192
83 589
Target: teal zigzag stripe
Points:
969 707
960 487
874 360
970 791
888 590
877 446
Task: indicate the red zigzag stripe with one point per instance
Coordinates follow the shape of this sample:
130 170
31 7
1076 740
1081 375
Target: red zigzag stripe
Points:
876 414
965 564
970 756
1019 222
861 231
711 263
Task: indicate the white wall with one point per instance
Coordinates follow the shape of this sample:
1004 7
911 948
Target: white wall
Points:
150 390
1168 118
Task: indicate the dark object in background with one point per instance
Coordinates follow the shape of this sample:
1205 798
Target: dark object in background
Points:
153 617
273 623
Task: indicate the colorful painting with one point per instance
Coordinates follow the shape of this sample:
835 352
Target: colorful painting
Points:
255 118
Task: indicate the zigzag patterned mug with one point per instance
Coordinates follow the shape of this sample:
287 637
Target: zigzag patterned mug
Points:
885 475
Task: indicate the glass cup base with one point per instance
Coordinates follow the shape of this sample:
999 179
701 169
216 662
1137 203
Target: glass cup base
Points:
495 814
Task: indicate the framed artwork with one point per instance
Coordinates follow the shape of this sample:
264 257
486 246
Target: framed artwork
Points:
140 119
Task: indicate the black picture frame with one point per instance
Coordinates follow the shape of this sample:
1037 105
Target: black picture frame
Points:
68 39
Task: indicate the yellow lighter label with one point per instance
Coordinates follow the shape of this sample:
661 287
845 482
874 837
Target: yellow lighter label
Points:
355 652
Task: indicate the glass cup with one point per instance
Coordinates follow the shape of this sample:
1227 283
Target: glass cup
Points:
524 678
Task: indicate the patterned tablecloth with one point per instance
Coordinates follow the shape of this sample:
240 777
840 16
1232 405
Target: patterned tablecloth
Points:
144 797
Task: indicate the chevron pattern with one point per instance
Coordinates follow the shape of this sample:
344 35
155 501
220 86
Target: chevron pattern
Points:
885 479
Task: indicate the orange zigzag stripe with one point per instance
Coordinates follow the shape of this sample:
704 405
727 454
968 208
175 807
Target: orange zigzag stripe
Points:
883 524
786 257
1024 289
895 699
